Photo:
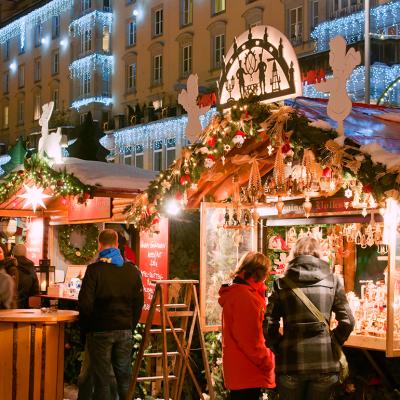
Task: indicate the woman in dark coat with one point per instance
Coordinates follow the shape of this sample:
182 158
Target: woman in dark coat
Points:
7 285
305 365
28 284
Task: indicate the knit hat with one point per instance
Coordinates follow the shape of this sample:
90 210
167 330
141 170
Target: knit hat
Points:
19 250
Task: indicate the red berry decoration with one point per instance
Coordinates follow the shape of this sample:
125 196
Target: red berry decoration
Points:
326 172
185 179
286 148
212 141
178 196
367 188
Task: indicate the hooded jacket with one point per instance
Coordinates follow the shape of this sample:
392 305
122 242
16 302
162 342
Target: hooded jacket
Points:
28 284
305 346
247 362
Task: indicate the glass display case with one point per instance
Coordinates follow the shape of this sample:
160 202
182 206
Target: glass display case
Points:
226 234
364 252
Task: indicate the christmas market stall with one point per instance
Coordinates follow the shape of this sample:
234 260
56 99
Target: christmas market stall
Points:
265 173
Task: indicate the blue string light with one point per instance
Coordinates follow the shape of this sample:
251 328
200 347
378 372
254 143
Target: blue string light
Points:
145 134
352 26
382 76
77 104
84 67
38 16
80 25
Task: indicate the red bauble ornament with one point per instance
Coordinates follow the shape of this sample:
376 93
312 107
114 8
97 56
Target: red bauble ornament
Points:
155 221
185 179
326 172
212 141
286 148
367 188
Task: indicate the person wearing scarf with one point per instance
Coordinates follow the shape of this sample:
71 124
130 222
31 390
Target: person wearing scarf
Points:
248 364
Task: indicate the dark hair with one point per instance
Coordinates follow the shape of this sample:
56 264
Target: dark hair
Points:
253 265
108 237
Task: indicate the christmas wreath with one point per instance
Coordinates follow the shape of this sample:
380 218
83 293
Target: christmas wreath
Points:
75 255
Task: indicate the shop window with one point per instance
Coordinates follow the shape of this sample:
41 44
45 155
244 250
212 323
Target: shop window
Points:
171 151
157 155
139 156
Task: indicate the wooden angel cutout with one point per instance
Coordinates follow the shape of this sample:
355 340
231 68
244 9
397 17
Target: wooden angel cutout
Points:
343 64
49 144
188 100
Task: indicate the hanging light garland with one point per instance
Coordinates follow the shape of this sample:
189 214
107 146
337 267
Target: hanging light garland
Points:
84 67
77 104
352 26
28 21
88 21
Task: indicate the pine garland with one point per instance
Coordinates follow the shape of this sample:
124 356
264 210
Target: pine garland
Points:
242 123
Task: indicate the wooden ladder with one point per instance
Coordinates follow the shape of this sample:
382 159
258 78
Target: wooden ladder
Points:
182 307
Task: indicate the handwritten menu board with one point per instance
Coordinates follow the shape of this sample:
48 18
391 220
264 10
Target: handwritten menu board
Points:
153 262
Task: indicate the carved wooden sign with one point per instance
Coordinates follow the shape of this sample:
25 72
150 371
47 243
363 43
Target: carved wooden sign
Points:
261 62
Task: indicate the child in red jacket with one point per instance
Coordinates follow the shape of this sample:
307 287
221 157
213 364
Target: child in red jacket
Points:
248 364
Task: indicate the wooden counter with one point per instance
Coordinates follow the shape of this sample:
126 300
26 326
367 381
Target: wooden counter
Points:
32 354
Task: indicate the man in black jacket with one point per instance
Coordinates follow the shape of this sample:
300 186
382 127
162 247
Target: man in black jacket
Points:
110 304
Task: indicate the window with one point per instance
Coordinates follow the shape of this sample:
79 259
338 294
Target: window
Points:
106 5
186 60
6 82
131 39
106 83
158 22
296 25
37 107
55 96
139 156
219 50
171 151
85 86
86 41
6 50
20 112
186 12
157 155
335 5
55 27
131 81
157 66
21 76
55 62
86 5
38 35
127 155
315 12
218 6
37 70
106 39
5 117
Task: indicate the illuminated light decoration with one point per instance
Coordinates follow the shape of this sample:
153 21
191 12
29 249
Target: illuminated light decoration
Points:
77 104
28 21
64 43
84 67
135 12
352 26
80 25
34 197
382 76
385 97
144 135
4 159
13 66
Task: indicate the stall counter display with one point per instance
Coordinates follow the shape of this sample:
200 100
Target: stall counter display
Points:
348 248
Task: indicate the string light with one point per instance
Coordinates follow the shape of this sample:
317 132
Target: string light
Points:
87 21
164 130
40 15
389 92
84 67
352 26
382 83
77 104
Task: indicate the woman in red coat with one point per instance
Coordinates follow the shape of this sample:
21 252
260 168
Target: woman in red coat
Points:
247 363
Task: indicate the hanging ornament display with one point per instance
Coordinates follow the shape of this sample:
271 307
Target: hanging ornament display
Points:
279 171
254 187
34 197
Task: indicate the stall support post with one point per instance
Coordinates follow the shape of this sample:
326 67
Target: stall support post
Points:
46 227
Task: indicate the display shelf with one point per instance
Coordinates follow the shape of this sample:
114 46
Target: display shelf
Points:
366 342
